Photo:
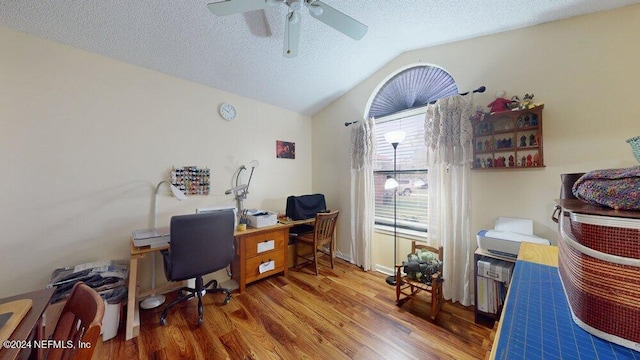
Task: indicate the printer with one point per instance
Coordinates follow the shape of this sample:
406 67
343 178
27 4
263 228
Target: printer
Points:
507 235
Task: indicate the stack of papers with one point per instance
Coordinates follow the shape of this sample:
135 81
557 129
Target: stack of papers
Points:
151 237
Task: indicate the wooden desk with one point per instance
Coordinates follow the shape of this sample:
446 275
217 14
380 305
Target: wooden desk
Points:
244 267
134 296
31 322
255 247
297 222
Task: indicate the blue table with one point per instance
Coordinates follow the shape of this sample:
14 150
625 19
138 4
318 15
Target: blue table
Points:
536 322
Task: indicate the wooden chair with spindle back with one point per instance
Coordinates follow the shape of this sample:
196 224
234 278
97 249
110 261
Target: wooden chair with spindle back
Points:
323 234
404 283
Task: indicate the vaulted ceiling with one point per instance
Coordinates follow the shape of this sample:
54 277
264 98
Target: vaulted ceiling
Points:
243 53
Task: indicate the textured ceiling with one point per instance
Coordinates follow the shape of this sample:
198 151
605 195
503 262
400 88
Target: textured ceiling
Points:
242 54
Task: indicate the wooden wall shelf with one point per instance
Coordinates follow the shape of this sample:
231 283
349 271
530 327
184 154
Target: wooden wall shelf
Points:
509 140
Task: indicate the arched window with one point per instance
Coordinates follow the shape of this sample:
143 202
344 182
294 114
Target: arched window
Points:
409 88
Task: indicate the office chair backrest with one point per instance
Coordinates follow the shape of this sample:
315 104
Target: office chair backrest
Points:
80 321
200 244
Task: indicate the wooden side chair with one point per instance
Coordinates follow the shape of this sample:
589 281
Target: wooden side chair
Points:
323 234
80 322
407 288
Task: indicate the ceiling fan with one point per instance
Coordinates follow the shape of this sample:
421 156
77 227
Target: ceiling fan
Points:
317 9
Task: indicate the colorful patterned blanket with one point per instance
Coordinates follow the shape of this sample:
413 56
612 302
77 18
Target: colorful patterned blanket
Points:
615 188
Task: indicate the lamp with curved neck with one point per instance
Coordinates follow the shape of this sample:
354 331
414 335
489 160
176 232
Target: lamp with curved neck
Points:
156 300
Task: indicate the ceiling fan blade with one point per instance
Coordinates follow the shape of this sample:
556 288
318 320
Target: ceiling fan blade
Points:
292 34
229 7
257 22
338 20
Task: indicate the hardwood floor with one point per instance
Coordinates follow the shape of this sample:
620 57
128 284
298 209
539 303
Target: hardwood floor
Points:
344 313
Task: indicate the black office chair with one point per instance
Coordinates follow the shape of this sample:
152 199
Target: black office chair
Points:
200 244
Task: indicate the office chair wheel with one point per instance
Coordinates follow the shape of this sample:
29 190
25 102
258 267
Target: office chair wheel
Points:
163 321
200 321
227 299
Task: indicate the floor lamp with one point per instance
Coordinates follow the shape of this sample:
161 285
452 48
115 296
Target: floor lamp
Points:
394 138
156 300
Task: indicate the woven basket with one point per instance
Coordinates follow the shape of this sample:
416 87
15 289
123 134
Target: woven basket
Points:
602 291
635 146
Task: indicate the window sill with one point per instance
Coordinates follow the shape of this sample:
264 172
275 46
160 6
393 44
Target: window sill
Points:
402 233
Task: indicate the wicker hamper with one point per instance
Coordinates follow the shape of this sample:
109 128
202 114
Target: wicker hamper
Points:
599 265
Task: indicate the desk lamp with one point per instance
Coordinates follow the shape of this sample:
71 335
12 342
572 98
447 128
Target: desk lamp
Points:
394 138
156 300
241 191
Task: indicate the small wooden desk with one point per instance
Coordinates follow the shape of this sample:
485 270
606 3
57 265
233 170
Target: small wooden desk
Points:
244 267
297 222
31 322
134 296
255 247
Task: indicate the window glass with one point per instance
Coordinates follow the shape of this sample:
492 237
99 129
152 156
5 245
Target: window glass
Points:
411 168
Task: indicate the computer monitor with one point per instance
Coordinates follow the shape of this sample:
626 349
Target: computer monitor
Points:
304 207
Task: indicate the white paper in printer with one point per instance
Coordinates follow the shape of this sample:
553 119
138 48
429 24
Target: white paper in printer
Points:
513 229
509 232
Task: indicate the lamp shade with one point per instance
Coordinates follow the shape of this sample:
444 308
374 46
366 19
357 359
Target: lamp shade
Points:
391 183
177 193
315 9
395 137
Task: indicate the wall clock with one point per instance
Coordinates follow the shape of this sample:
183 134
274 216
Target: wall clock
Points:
228 111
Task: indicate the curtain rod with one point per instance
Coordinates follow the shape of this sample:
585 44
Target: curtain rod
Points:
481 89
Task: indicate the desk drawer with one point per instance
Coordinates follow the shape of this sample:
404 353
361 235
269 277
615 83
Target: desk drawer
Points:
264 243
253 265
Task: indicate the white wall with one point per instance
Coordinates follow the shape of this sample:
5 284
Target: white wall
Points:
85 139
584 69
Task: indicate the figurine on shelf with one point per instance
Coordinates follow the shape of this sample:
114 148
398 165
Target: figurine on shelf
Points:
529 160
534 120
523 141
527 102
476 164
479 146
478 116
488 145
511 162
532 140
515 103
489 162
527 123
536 160
500 103
524 161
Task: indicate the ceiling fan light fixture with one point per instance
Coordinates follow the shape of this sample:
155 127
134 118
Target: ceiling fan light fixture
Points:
296 5
294 17
315 9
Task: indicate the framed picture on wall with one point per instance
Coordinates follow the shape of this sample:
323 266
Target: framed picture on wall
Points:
285 150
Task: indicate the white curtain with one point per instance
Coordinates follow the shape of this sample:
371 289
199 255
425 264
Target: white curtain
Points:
449 138
362 194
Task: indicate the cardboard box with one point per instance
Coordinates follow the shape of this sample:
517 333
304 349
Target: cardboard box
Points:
259 219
